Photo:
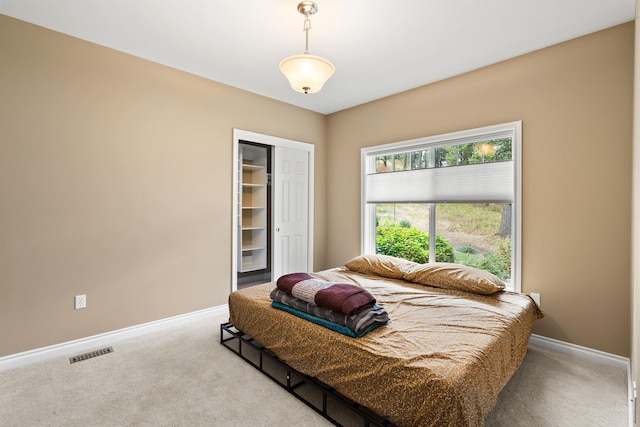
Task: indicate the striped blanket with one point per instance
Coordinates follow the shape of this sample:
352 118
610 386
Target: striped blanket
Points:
342 297
354 325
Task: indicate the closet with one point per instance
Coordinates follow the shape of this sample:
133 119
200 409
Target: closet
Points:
254 211
272 208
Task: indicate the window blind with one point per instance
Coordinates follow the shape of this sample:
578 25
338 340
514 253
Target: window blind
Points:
481 182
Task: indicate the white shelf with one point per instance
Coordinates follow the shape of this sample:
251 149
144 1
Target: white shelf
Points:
252 248
250 266
247 166
252 253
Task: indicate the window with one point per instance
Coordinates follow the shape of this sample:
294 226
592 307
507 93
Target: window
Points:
453 198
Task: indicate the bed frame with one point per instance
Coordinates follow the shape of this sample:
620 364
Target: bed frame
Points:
323 399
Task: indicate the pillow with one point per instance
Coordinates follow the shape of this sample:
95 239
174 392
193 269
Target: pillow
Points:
455 276
381 265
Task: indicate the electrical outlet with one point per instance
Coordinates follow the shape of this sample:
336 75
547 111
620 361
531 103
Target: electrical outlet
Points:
81 301
536 297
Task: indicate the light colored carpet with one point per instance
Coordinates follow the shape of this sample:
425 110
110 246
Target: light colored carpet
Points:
183 376
555 389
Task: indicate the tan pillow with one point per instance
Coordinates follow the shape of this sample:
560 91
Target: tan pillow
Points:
381 265
455 276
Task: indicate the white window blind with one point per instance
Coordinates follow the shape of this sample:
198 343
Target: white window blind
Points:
486 182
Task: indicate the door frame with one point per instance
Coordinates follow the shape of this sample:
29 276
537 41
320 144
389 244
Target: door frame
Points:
273 141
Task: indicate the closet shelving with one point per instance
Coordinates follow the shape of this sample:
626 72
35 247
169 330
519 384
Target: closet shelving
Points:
253 208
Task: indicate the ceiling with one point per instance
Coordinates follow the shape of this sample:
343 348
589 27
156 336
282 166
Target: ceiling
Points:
379 47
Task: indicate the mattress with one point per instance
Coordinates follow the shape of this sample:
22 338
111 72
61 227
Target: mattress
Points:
441 360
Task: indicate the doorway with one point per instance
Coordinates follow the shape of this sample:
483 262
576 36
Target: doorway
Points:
272 208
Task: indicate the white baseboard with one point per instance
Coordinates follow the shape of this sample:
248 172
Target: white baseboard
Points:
76 346
608 359
583 352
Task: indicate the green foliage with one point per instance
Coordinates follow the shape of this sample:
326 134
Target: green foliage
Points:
420 159
411 244
405 224
478 152
444 250
468 250
473 226
498 263
402 242
473 218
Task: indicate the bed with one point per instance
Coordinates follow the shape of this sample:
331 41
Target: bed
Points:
442 359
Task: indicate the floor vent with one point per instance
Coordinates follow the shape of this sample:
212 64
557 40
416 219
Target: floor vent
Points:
85 356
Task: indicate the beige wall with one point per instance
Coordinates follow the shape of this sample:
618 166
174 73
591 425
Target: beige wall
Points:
635 302
575 101
115 182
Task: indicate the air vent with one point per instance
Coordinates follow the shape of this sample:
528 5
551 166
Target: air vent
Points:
91 354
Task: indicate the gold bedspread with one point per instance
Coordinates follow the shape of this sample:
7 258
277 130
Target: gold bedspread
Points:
441 361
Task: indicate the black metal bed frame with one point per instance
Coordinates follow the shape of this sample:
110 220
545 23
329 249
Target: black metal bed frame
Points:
314 393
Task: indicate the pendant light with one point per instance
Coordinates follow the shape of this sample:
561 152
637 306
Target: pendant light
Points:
307 73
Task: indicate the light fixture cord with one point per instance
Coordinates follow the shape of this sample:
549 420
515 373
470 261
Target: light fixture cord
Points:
306 28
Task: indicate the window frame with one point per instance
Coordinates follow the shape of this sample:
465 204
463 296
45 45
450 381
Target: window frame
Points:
509 129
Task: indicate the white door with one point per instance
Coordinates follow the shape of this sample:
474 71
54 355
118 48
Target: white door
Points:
291 211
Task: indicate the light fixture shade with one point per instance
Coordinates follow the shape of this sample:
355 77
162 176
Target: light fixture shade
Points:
307 73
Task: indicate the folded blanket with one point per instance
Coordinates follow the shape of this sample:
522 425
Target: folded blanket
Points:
324 322
359 322
342 297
